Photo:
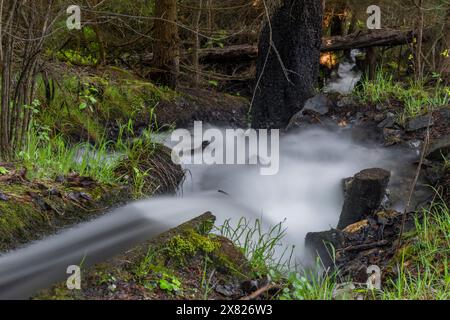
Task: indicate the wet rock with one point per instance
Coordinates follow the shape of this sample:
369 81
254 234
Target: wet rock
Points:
364 196
378 117
444 114
228 290
320 104
346 101
388 122
79 196
418 123
392 136
249 286
439 148
323 244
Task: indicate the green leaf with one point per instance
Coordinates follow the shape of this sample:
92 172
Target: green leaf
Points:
3 171
82 106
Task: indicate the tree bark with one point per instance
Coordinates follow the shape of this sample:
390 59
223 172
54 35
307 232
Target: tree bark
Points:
363 196
166 46
288 62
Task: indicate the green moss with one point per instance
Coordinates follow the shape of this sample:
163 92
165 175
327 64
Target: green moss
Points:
84 105
189 244
31 211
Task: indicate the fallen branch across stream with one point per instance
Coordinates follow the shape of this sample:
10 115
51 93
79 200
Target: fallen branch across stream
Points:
357 40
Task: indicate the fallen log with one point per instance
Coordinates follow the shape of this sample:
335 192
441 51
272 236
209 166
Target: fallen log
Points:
230 53
371 38
357 40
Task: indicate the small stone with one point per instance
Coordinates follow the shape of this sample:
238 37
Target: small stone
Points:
346 101
378 117
418 123
227 290
392 136
85 196
388 122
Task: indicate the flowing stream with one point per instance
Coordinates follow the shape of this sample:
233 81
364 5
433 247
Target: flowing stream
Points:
306 194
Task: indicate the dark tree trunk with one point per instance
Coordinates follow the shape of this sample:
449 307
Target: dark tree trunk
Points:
287 70
166 51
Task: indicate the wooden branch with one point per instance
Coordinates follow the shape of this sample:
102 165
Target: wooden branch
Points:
365 246
261 291
230 53
357 40
371 38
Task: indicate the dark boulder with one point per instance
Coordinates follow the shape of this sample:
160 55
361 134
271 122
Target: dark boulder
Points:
319 104
388 122
364 195
323 244
439 148
418 123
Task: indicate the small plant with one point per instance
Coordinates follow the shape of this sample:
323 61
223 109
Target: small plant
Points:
423 264
263 248
169 283
309 286
415 98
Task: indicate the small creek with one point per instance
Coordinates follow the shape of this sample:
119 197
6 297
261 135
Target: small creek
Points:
306 194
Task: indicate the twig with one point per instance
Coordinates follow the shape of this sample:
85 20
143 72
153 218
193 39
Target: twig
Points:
261 291
365 246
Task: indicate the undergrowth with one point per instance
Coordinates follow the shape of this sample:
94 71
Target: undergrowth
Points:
421 268
412 99
423 271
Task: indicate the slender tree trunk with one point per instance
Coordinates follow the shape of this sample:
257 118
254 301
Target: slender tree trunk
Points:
419 63
195 57
165 49
24 29
288 62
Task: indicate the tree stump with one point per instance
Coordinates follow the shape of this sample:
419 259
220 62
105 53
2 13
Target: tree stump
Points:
364 195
